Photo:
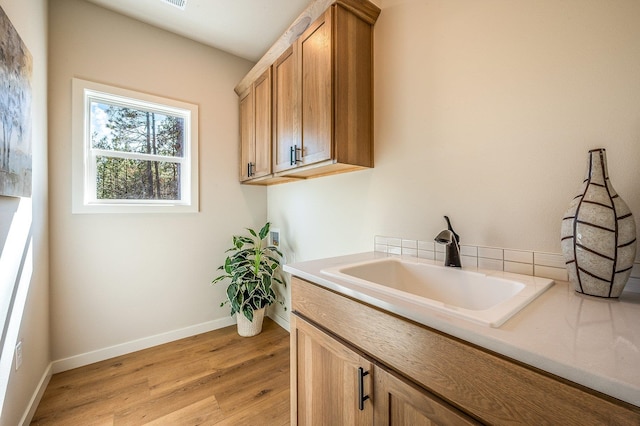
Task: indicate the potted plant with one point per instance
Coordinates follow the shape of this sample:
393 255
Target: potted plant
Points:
251 268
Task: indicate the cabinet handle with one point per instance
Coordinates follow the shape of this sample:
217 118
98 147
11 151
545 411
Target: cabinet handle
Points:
293 155
250 171
361 396
296 157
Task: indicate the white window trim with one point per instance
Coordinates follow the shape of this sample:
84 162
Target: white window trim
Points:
83 167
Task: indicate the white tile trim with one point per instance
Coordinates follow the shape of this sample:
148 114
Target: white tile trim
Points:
559 274
518 267
410 244
549 259
526 262
519 256
466 250
491 253
492 264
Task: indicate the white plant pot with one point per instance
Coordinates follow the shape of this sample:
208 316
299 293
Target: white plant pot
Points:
248 328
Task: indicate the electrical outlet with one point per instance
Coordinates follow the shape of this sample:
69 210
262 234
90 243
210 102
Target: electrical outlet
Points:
274 237
18 355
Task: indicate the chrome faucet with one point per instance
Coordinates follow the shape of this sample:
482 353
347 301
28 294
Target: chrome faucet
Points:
451 240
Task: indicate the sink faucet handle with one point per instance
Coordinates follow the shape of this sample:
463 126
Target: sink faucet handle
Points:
450 228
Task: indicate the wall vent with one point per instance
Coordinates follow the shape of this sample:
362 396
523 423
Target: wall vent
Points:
180 4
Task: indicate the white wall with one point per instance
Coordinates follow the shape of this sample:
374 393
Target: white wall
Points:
29 17
119 278
484 111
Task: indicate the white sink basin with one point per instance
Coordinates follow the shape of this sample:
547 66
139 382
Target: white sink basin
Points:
487 297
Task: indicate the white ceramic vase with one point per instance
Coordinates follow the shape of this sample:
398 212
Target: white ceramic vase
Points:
248 328
598 234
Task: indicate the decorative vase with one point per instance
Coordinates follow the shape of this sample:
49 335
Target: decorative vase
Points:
248 328
598 234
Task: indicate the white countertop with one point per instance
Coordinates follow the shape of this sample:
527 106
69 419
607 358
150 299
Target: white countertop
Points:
591 341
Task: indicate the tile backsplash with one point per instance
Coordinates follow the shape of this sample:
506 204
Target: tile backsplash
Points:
539 264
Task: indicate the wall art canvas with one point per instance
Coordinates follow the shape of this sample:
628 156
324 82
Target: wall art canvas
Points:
16 67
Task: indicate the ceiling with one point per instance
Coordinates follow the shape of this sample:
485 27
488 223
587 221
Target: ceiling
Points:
245 28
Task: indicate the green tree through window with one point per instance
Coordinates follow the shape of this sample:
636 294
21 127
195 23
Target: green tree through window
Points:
117 129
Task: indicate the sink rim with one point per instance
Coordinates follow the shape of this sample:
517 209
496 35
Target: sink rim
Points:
500 288
494 316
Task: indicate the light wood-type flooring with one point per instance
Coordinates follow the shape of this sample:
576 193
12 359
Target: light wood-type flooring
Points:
215 378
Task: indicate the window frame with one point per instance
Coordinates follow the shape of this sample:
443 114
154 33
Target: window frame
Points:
84 161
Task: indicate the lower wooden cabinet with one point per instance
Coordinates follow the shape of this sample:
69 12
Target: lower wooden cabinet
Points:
417 375
331 380
398 402
335 385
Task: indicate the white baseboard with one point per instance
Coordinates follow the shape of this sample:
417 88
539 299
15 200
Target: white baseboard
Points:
282 322
136 345
37 396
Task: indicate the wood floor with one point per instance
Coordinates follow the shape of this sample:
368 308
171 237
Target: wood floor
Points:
216 378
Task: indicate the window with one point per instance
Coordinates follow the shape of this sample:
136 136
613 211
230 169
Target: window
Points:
132 152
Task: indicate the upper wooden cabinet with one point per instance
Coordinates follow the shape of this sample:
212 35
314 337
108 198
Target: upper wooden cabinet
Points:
322 92
285 110
336 94
247 141
255 129
316 93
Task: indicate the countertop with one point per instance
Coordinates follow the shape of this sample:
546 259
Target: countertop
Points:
590 341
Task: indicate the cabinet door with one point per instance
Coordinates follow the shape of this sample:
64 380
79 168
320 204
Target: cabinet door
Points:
255 129
316 90
285 107
262 125
326 378
353 89
247 145
401 403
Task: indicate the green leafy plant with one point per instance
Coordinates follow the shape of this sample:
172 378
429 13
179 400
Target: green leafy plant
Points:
252 269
